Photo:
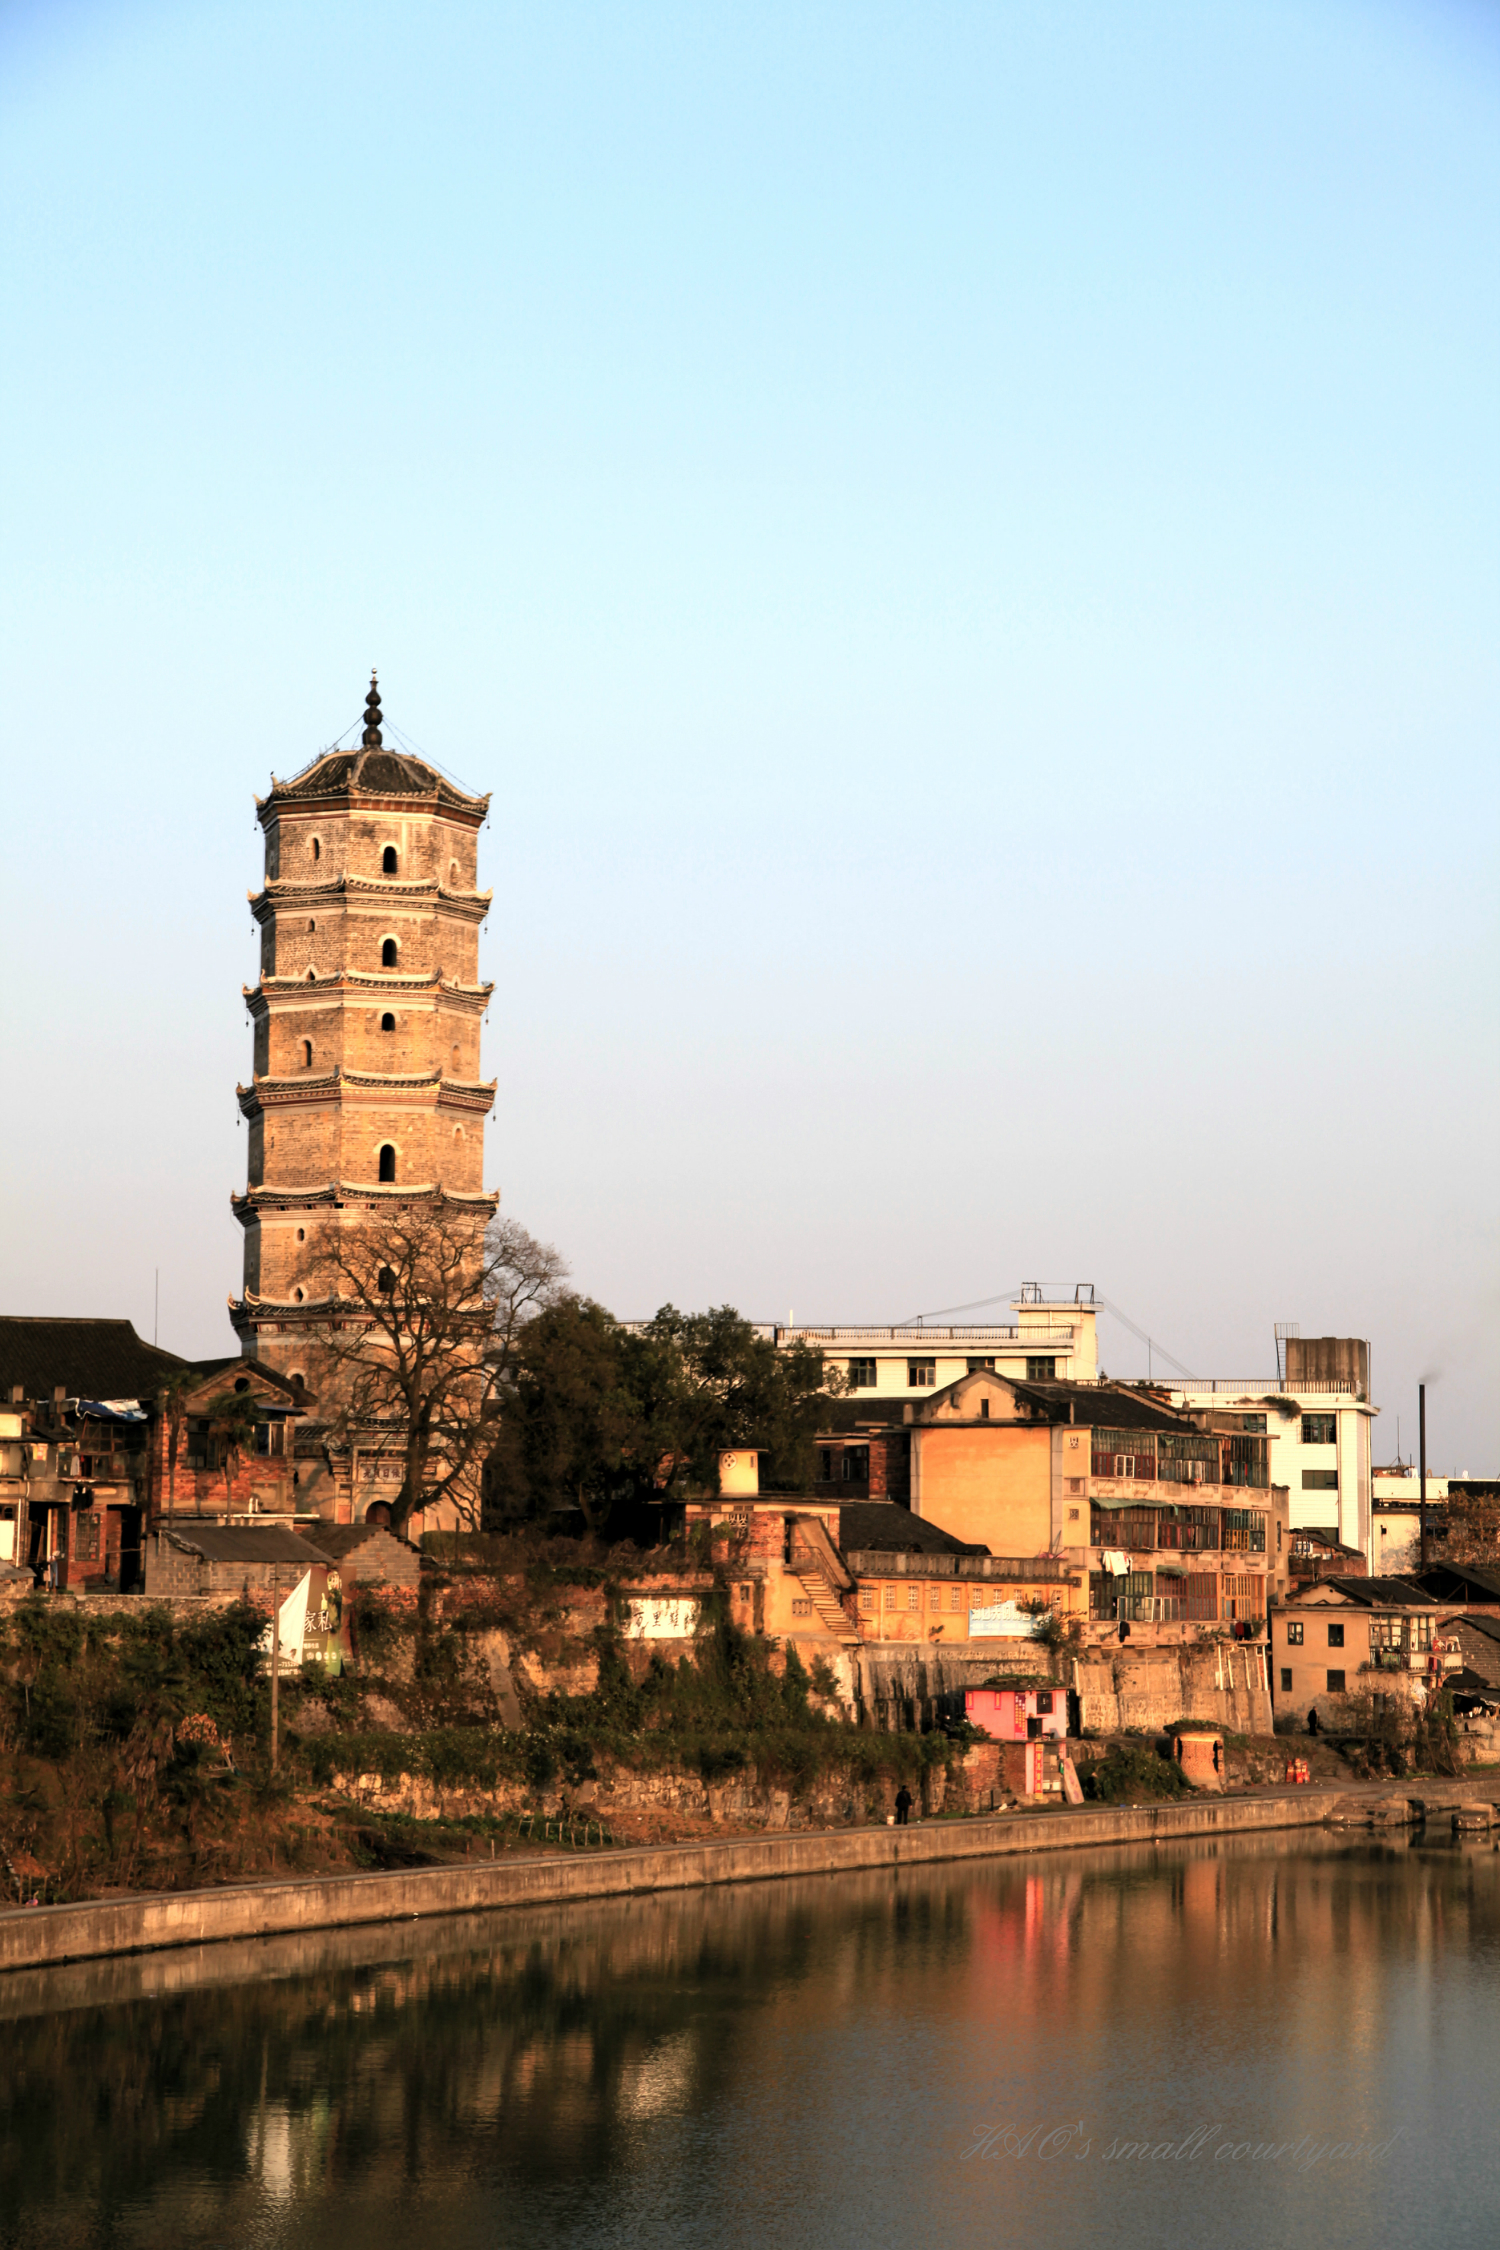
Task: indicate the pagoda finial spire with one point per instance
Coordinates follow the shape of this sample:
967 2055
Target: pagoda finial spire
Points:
372 736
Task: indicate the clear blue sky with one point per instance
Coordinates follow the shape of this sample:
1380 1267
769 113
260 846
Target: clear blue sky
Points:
963 540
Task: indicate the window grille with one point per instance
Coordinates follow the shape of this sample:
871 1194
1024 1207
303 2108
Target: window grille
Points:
1245 1462
1131 1528
1123 1453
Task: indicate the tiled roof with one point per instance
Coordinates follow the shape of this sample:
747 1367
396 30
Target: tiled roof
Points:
1490 1626
244 1542
1381 1593
235 1363
1110 1406
879 1525
382 772
89 1358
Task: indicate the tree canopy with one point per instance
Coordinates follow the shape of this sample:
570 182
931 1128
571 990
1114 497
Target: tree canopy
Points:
612 1419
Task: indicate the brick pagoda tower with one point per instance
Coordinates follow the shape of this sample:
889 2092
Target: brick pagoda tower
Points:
366 1084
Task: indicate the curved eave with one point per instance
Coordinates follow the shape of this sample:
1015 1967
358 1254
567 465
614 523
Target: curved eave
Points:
340 797
390 982
366 1191
286 1093
388 890
252 1311
477 1101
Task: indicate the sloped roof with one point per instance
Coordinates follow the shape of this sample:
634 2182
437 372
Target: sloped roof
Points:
880 1526
1477 1578
1490 1626
382 772
1110 1406
1374 1593
244 1542
235 1363
89 1358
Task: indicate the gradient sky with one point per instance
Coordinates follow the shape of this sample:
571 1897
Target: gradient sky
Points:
963 540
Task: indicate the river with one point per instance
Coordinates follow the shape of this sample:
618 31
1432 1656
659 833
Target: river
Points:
1258 2041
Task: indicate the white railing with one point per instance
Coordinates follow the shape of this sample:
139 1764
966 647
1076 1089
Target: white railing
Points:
1029 1339
1259 1387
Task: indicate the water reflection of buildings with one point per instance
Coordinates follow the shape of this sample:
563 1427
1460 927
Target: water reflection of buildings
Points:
858 2022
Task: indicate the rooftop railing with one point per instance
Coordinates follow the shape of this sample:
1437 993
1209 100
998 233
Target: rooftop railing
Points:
1030 1339
1258 1387
876 1562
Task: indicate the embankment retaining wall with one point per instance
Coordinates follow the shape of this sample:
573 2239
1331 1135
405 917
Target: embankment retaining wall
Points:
35 1935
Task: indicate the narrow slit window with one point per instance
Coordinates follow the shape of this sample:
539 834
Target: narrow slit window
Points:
387 1162
387 1023
388 860
307 1054
388 953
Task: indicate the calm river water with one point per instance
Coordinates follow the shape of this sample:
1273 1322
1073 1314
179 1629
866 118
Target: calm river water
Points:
1265 2042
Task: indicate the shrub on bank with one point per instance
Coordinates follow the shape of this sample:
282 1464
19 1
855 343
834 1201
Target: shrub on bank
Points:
1130 1772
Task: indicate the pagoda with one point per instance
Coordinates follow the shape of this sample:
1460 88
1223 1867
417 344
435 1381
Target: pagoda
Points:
366 1087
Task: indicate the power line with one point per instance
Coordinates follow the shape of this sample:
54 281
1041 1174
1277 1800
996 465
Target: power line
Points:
1005 1296
1159 1349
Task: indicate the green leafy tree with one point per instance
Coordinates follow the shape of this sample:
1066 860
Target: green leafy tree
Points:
613 1420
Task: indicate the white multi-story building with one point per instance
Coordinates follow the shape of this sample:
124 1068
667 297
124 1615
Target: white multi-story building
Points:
1052 1340
1318 1416
1316 1410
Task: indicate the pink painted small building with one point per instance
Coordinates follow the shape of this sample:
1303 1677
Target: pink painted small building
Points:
1018 1714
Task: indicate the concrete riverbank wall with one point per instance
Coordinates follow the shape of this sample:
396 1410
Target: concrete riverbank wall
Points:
32 1937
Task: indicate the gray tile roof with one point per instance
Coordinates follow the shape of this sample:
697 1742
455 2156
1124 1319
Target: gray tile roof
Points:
244 1542
88 1358
875 1526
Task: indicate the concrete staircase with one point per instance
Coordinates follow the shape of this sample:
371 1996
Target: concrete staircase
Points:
822 1574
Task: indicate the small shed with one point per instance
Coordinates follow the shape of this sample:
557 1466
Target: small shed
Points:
1019 1714
247 1561
227 1558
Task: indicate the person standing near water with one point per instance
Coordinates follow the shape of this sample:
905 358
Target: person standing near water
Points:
903 1805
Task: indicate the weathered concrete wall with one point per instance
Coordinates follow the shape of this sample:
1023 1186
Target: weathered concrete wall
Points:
30 1936
1221 1684
904 1689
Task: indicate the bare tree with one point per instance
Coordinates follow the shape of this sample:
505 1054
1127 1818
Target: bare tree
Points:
422 1337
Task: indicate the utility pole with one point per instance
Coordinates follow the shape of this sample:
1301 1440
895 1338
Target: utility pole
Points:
275 1665
1422 1470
